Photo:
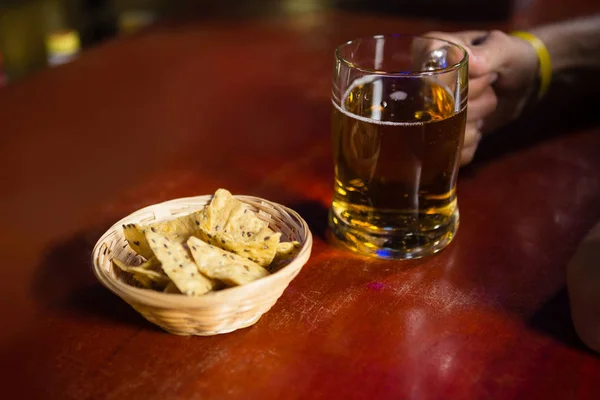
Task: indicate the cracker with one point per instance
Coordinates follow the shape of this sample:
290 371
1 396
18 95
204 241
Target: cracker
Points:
151 264
259 248
287 250
178 265
226 267
231 225
178 229
134 234
143 273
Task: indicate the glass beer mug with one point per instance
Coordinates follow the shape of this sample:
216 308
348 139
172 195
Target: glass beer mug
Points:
399 111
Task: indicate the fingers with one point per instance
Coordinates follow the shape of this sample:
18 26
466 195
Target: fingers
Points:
471 141
472 134
500 52
466 40
490 53
463 39
513 59
478 85
482 106
466 155
478 110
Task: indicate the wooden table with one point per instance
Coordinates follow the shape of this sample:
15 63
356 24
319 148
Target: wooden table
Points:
188 107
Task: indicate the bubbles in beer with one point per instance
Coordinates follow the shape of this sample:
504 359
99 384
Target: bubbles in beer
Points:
398 95
396 158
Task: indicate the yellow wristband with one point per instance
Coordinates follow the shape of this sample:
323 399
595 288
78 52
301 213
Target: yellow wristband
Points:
543 57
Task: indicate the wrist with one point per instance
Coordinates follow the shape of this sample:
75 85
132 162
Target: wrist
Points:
550 36
539 62
573 45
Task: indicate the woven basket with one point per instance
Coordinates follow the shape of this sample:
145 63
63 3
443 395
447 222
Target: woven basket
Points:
216 312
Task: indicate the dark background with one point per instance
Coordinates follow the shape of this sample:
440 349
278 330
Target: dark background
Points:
26 24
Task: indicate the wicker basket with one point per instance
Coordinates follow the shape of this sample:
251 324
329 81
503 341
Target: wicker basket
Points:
216 312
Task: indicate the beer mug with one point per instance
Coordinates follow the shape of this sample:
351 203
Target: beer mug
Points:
399 113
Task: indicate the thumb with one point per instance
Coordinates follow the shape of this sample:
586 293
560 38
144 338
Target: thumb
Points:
513 59
490 53
470 41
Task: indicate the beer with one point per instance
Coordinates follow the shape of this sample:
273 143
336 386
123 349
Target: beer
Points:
396 145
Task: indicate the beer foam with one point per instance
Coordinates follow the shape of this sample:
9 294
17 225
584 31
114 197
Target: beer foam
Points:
362 81
374 121
398 95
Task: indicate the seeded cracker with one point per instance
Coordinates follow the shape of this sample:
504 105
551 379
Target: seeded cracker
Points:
152 264
215 215
287 250
178 265
134 235
260 248
226 267
144 273
178 229
231 225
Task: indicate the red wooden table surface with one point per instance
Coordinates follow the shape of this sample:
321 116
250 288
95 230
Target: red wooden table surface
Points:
189 107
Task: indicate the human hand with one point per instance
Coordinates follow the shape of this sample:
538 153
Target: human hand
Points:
502 80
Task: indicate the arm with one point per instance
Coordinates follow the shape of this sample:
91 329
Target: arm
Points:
503 71
573 45
583 284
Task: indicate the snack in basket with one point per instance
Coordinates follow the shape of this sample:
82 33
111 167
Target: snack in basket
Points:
178 265
178 229
137 240
148 274
229 224
287 250
223 244
224 266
